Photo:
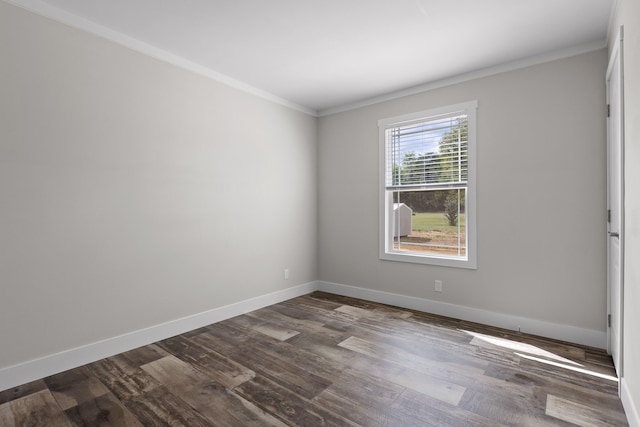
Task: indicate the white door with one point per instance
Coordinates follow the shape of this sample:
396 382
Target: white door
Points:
615 178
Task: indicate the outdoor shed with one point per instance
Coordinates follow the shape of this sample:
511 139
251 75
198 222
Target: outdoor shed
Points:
402 214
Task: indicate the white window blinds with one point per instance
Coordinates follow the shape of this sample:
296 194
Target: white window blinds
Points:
429 153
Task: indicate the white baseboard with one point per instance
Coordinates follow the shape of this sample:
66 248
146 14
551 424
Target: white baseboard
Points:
567 333
22 373
49 365
633 416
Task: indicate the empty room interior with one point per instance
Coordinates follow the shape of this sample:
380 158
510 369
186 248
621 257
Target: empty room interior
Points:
362 213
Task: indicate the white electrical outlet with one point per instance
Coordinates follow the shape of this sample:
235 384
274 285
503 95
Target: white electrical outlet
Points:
438 286
286 274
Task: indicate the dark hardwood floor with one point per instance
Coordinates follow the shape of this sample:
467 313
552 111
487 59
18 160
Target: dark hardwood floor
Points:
327 360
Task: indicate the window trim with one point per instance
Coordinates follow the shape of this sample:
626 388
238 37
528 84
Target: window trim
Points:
386 198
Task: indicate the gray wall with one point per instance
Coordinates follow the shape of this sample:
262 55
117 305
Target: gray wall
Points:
628 14
133 192
541 196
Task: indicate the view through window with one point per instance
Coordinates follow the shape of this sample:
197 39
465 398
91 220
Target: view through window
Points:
427 184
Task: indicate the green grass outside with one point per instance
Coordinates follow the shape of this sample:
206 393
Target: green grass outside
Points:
436 222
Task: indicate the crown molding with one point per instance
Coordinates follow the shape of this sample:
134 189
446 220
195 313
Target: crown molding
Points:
46 10
473 75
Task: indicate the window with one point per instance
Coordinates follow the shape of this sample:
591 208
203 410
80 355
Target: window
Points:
427 202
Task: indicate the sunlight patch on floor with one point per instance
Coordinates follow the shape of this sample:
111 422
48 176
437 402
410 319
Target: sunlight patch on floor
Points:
519 346
569 367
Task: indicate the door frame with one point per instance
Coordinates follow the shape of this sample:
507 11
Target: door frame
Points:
616 55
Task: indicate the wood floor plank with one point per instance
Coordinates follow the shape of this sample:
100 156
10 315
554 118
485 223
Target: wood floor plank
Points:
309 311
509 408
283 320
303 360
418 328
599 358
488 341
595 359
36 409
121 377
580 414
225 338
142 355
435 384
408 378
22 390
284 372
413 409
208 397
375 314
445 390
102 411
396 334
583 378
362 399
160 407
551 384
74 387
286 405
317 300
270 329
290 366
219 367
326 347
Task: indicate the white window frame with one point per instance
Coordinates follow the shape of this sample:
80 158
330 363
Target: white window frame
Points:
386 197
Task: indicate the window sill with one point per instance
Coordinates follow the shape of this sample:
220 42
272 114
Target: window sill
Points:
442 261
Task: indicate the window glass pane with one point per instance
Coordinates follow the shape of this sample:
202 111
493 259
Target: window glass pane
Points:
430 222
427 153
427 194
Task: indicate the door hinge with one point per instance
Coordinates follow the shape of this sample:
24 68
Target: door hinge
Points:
608 215
608 320
608 110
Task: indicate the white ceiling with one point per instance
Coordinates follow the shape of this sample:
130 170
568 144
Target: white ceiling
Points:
327 54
